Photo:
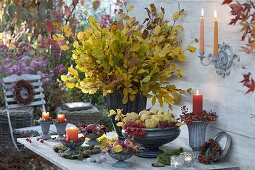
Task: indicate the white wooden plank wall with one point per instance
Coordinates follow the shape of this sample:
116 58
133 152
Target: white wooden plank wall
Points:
225 96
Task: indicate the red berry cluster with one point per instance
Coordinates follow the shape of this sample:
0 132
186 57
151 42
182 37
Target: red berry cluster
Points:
165 124
26 135
40 140
28 138
134 129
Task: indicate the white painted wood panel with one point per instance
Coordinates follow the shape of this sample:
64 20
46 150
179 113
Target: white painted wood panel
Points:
225 96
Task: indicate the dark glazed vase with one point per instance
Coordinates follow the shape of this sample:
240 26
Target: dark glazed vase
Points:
115 102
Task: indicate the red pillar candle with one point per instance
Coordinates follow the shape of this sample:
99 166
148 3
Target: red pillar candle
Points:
197 103
61 118
45 116
72 133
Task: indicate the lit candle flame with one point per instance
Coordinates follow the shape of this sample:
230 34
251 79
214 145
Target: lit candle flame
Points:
197 92
215 14
202 12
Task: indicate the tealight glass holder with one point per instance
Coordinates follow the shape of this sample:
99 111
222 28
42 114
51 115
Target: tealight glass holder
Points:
188 160
176 162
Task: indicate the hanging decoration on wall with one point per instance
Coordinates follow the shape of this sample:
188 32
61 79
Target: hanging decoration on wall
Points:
23 92
223 57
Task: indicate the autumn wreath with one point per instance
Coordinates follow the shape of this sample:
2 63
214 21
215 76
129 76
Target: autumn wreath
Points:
28 98
209 152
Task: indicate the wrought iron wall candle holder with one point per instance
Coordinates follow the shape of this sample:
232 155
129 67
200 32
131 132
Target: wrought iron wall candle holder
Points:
223 62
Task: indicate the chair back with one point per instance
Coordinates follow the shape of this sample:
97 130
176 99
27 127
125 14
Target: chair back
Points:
9 96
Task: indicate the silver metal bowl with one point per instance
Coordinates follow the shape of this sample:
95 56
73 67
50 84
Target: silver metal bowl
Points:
72 146
121 157
93 138
224 140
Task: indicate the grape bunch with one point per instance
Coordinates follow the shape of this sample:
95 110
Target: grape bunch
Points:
134 129
165 124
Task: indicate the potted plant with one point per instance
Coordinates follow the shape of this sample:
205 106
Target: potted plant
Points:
93 131
197 124
129 61
149 128
121 151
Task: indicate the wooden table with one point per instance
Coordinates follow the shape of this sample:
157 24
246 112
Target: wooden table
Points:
136 163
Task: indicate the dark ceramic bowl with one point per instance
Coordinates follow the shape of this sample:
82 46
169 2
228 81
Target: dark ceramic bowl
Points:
155 138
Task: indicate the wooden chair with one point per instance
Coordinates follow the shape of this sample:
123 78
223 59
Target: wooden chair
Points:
12 104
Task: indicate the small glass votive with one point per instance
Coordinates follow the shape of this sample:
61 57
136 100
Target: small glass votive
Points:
176 162
188 160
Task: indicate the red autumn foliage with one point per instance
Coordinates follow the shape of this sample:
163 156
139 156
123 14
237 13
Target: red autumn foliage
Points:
248 82
244 14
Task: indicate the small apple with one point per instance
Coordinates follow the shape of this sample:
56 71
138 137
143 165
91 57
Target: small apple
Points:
129 143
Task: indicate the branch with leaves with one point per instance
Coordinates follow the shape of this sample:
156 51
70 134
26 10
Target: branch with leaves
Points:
244 14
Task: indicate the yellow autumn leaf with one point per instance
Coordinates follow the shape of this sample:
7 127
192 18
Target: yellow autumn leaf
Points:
117 148
67 30
181 57
146 79
73 71
179 124
157 30
64 47
141 71
80 35
70 85
93 91
112 112
153 101
130 8
122 15
63 78
191 49
86 12
11 46
178 27
58 37
119 124
180 72
161 15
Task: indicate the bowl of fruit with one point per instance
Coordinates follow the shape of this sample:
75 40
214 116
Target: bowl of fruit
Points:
151 129
93 131
121 150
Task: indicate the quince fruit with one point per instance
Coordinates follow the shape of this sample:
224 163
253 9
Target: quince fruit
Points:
145 117
167 117
160 113
127 120
134 116
154 111
144 112
150 123
156 118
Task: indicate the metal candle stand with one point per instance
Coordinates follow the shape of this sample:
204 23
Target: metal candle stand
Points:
223 62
